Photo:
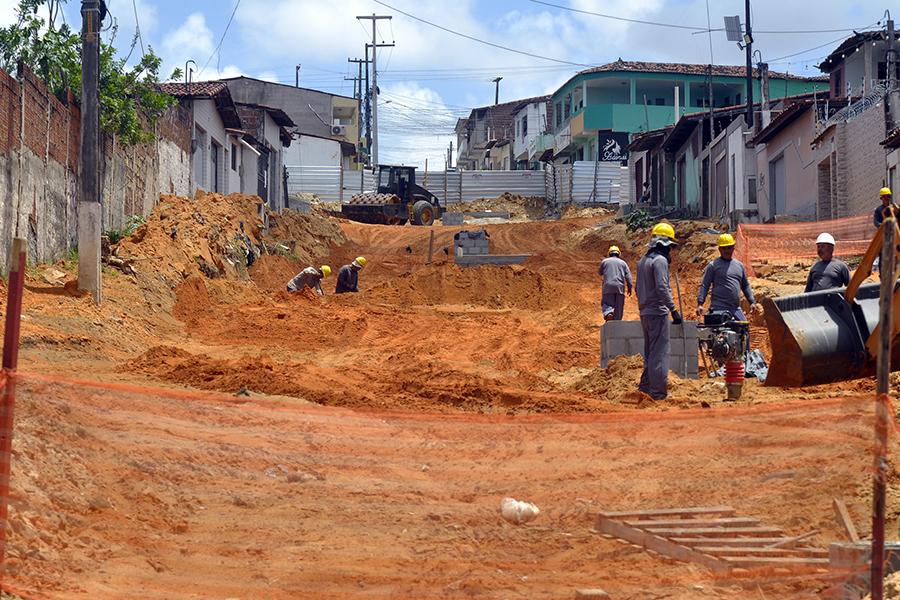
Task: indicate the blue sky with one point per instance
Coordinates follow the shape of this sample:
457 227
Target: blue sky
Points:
447 53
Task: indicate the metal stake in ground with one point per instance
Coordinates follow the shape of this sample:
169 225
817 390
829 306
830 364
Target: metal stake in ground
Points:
683 334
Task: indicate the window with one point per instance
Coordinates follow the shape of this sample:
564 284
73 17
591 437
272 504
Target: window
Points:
660 102
233 157
524 126
558 114
751 190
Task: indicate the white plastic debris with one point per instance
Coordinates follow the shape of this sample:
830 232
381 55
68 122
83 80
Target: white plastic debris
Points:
516 512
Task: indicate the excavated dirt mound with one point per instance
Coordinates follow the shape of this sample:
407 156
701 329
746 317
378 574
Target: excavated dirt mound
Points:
423 337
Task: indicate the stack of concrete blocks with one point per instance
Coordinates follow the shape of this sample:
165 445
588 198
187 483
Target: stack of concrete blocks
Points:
469 243
626 338
453 218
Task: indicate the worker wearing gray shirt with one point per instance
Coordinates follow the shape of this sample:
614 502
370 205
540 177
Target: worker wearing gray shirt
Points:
616 277
310 277
654 294
728 278
829 272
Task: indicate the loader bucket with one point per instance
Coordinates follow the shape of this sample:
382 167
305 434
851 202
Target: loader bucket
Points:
819 337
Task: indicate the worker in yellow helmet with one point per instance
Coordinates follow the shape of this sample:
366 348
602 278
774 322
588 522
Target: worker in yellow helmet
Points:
348 276
654 294
727 278
616 279
886 197
311 277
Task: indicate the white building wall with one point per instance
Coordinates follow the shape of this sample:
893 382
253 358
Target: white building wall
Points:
308 151
208 121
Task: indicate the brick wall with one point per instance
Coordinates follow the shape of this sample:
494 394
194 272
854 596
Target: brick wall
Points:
851 157
40 146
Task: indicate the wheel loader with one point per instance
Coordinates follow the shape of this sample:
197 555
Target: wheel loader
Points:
396 200
831 335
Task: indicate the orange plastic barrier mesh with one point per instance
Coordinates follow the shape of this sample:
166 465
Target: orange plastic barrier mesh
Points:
120 492
792 243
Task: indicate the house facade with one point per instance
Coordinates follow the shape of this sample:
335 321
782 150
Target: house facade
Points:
479 137
624 98
225 156
313 113
532 138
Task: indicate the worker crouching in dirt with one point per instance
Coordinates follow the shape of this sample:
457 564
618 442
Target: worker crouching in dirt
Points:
348 276
829 272
616 278
311 277
654 294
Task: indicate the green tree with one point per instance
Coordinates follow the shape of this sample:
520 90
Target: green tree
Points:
54 53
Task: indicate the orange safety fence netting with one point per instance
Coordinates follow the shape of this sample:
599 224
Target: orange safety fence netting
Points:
120 492
784 244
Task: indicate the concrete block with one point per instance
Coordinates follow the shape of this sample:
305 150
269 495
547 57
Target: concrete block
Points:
617 347
622 329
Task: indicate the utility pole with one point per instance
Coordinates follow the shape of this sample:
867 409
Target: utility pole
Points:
89 212
497 91
748 38
360 94
375 47
297 76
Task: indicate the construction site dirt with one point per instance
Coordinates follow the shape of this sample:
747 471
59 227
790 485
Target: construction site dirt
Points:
415 406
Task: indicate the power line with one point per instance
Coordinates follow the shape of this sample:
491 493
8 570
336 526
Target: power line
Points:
474 39
137 27
216 51
673 26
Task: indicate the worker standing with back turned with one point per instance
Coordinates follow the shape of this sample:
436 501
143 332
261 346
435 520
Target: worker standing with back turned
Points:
616 278
654 293
727 278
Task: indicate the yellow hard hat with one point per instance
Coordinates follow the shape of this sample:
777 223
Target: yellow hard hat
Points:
326 271
664 229
726 239
359 262
885 192
613 249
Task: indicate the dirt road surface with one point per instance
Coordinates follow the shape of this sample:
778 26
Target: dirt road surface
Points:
228 439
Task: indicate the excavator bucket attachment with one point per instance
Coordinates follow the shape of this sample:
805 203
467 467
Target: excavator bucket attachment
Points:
819 337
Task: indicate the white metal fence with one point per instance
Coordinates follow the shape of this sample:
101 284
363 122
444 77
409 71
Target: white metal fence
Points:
584 183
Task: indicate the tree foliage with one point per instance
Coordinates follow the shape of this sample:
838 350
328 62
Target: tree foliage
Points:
54 53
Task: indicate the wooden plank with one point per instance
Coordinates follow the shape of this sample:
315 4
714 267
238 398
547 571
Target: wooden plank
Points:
791 542
714 532
843 517
721 551
724 511
673 523
759 542
657 544
749 563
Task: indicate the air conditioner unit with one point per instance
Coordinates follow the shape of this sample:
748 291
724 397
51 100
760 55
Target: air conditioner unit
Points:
338 130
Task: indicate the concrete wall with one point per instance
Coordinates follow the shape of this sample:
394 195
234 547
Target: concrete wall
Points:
40 144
